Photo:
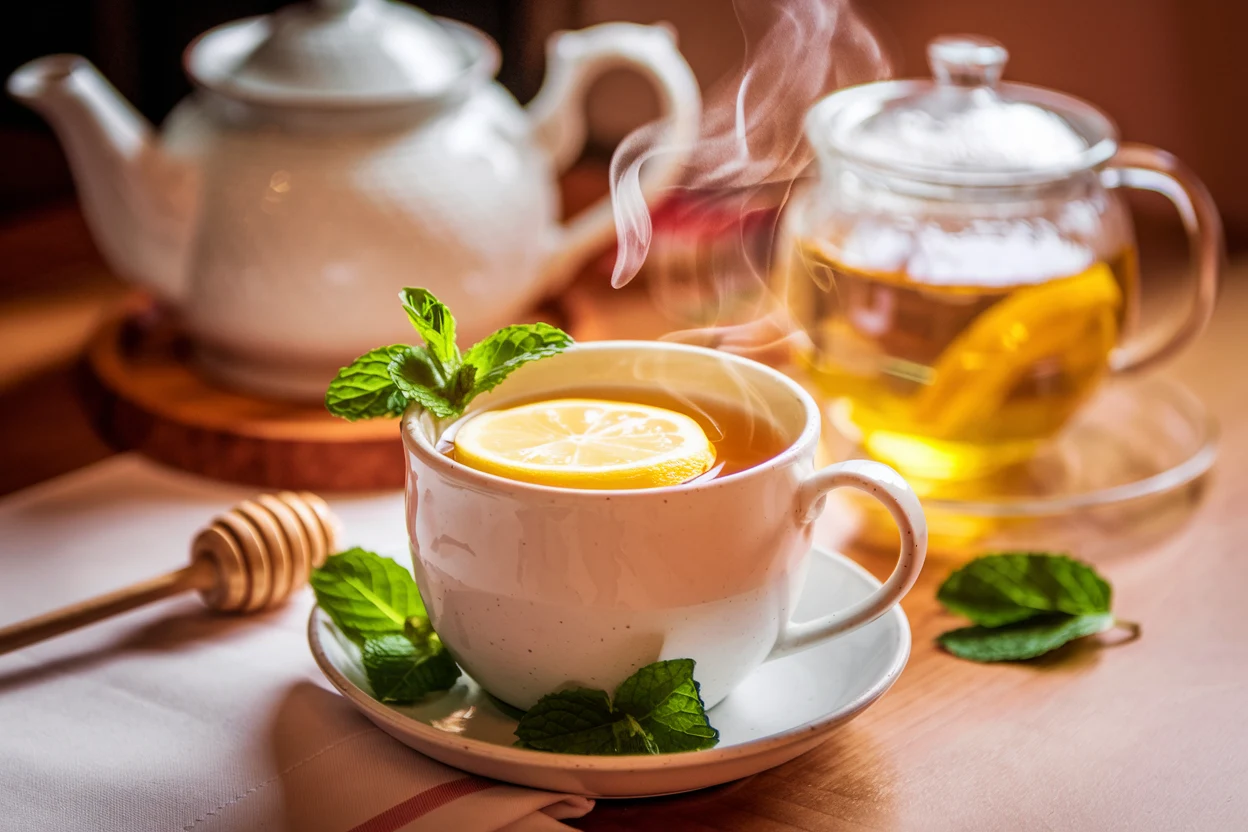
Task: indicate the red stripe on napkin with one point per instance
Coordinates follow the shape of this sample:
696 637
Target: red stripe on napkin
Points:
422 804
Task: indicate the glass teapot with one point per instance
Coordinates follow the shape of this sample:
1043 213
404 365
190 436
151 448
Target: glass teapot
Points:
962 267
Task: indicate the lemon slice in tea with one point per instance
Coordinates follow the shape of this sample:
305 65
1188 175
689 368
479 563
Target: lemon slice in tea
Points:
1073 319
586 443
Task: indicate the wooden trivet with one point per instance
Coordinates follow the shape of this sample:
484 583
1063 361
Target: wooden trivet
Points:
144 394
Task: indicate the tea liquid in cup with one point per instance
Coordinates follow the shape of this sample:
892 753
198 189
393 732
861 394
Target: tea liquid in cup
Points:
535 588
739 439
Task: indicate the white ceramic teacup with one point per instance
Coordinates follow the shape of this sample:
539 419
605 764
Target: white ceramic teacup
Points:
534 588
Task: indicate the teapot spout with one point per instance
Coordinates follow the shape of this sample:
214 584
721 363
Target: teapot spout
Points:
138 201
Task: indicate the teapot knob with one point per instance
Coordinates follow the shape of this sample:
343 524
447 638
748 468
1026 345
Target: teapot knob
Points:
337 6
967 60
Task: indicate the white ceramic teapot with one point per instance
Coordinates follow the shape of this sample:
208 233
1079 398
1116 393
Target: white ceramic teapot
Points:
332 153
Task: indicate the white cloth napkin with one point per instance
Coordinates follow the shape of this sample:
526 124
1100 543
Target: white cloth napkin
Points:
173 719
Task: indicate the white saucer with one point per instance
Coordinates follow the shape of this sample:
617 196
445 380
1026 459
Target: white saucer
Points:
783 709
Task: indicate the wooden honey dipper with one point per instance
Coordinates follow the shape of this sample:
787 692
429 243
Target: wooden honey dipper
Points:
253 557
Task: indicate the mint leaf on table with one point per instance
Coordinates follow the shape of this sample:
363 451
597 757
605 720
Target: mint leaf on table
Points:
656 710
1023 605
1003 588
385 381
667 703
366 594
495 357
1023 639
364 389
401 669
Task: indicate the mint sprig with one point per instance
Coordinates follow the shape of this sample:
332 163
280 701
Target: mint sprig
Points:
658 709
490 361
375 602
365 389
385 381
1023 605
435 323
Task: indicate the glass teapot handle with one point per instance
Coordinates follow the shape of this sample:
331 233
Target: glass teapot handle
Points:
574 60
1150 169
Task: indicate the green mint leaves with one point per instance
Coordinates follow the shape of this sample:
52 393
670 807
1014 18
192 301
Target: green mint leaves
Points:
668 704
402 669
1001 589
376 604
1023 605
577 721
374 601
492 360
366 594
365 389
656 710
434 322
386 380
416 378
1024 639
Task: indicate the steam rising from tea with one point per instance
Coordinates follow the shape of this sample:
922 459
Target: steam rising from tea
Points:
752 131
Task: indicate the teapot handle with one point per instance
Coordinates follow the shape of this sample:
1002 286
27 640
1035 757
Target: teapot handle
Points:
574 61
1150 169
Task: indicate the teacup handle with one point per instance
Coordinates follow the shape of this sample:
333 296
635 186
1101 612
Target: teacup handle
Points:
1150 169
887 486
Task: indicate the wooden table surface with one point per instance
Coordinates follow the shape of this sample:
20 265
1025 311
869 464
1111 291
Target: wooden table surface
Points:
1150 735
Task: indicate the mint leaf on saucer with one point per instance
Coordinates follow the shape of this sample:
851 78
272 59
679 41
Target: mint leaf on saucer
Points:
363 389
366 594
576 721
402 670
630 738
495 357
1000 589
436 325
656 710
376 603
666 702
1024 639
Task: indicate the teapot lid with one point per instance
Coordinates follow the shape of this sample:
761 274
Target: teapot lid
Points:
964 127
335 53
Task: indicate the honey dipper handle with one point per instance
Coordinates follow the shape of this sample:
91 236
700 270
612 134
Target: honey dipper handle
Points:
199 575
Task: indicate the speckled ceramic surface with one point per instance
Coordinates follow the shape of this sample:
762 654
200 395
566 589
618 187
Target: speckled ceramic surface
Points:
532 587
783 709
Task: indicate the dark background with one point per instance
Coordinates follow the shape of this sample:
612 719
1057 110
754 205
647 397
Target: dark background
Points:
138 45
1173 73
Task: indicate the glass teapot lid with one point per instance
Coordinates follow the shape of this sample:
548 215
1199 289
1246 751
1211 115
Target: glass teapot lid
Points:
965 127
335 53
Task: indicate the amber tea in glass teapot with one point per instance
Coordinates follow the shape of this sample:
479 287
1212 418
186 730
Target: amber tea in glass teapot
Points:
962 267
